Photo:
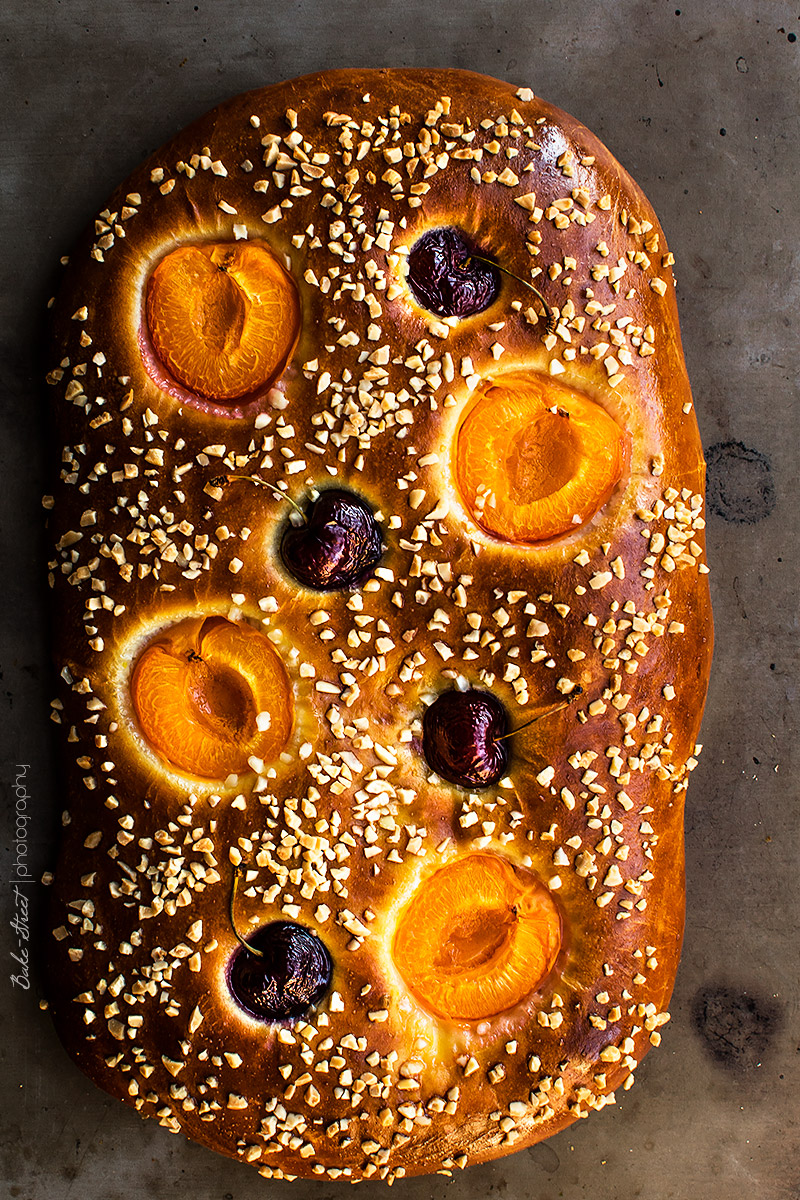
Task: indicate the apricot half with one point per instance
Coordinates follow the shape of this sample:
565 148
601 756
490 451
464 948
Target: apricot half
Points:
209 694
477 937
535 459
223 318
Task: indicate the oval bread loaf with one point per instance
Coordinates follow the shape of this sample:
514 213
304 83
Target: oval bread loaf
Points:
368 390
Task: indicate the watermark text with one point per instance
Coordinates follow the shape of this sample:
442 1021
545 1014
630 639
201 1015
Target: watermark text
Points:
21 874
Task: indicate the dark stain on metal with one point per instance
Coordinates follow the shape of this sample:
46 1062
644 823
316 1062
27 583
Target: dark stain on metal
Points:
545 1157
739 486
738 597
736 1027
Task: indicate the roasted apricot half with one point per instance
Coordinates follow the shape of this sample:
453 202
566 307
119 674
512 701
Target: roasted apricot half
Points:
477 937
222 317
535 459
209 694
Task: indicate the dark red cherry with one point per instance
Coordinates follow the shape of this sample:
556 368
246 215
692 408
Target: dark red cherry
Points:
338 545
460 733
442 279
290 977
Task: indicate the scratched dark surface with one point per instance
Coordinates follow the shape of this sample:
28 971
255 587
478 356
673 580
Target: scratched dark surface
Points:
700 101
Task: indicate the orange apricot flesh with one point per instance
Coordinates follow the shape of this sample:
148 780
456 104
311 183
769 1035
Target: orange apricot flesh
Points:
223 317
477 937
535 459
209 694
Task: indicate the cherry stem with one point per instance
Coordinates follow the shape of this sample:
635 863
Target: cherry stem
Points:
550 320
222 480
237 872
548 712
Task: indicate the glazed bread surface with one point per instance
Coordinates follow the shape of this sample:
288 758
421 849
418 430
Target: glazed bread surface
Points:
161 513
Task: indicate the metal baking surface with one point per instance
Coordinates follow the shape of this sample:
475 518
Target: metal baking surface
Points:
700 102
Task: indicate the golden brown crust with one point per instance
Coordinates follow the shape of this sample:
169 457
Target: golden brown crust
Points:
371 400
